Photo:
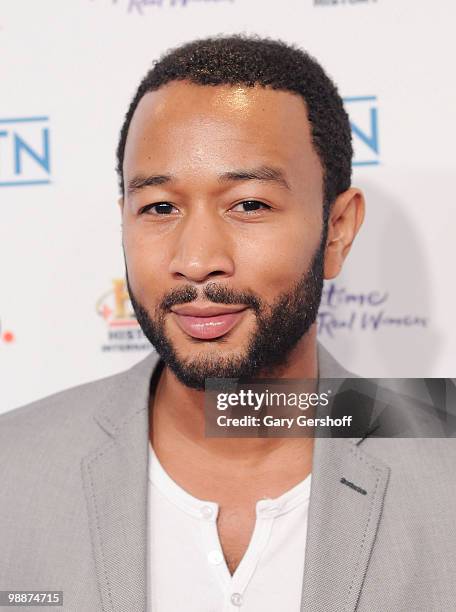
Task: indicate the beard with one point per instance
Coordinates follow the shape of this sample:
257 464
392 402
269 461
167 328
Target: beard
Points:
279 327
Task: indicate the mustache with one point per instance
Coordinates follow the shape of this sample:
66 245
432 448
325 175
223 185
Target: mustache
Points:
213 292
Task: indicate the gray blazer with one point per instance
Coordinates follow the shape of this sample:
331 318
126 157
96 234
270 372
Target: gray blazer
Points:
73 485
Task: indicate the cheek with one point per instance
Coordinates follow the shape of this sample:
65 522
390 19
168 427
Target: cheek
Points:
271 262
147 265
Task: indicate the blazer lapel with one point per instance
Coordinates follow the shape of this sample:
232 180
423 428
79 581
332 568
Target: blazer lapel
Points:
346 500
115 484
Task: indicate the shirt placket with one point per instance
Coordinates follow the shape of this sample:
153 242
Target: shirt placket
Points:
237 584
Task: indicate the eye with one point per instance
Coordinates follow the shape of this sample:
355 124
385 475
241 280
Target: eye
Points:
160 208
250 206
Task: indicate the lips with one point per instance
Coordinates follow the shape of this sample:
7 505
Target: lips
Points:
207 322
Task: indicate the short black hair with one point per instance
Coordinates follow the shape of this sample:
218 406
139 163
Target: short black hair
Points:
250 61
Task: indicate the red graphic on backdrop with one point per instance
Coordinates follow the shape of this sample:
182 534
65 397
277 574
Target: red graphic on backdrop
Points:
6 335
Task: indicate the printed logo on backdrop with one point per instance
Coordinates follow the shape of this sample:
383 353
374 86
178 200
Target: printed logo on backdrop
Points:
363 113
123 330
6 335
141 6
343 311
25 157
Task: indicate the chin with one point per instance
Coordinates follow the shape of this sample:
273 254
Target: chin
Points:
208 350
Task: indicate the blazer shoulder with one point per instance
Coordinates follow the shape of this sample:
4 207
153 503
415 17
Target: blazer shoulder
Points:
80 397
69 410
329 367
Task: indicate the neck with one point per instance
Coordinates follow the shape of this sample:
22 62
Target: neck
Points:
179 420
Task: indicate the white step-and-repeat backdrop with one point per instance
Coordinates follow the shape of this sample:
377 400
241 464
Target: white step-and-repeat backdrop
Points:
68 71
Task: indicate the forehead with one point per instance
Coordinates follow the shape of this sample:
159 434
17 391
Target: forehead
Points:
183 122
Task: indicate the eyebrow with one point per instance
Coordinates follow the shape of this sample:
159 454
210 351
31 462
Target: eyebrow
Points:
140 181
260 173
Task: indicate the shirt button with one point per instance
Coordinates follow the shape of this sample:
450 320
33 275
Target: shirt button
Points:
236 599
206 512
215 557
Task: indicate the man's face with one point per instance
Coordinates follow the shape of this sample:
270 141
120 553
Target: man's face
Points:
222 227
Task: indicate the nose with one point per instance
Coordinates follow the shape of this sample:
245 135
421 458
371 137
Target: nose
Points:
202 249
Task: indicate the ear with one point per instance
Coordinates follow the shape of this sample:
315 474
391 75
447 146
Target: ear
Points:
345 219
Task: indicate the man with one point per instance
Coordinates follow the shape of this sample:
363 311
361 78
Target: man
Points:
235 164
